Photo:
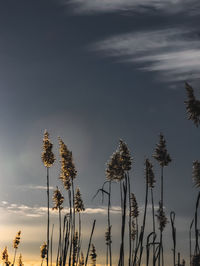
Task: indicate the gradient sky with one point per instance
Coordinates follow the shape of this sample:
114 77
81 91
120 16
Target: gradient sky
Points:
92 72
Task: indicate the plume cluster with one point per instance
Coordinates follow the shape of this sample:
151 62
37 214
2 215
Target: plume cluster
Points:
47 154
58 199
161 154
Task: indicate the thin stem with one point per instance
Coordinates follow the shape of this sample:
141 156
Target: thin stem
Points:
129 198
86 260
52 244
153 217
14 257
47 216
109 225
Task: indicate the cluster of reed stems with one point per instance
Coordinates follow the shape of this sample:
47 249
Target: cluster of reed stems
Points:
143 247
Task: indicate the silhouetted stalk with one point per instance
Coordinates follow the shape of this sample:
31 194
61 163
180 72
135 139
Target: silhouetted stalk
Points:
129 200
197 250
51 244
143 226
153 217
79 237
172 218
93 226
71 226
190 241
161 200
121 258
58 260
109 225
47 216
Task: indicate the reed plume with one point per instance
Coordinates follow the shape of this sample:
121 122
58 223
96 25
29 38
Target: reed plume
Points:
58 200
16 243
43 252
192 105
5 257
93 255
48 160
20 261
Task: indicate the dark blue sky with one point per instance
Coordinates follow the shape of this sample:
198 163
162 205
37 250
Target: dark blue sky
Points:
93 73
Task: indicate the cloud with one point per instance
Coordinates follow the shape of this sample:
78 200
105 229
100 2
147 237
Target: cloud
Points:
36 211
110 6
173 52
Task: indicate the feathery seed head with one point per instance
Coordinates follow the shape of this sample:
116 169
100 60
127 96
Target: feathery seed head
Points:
81 260
125 156
133 230
93 255
68 171
108 236
134 206
47 154
162 219
161 154
43 250
192 105
114 169
58 199
5 255
196 173
149 174
20 262
16 241
79 206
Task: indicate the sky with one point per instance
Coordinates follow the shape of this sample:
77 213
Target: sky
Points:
94 72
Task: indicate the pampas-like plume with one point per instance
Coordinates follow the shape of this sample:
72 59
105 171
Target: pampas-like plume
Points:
108 236
78 203
192 105
93 255
5 257
68 171
125 156
58 199
149 174
161 154
43 250
47 154
20 262
196 173
162 219
134 206
16 241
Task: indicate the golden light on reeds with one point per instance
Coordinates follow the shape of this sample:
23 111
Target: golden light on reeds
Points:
81 260
47 154
161 154
119 162
16 241
68 171
78 203
20 262
93 255
58 199
43 250
5 257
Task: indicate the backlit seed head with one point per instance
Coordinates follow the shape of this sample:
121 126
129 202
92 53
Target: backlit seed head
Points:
20 262
192 105
5 255
114 169
133 230
134 206
16 241
196 173
93 255
68 171
43 250
108 236
162 219
81 260
79 206
58 199
161 154
126 159
47 154
149 174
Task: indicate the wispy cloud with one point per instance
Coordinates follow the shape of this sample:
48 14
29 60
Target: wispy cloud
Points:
36 211
174 53
108 6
